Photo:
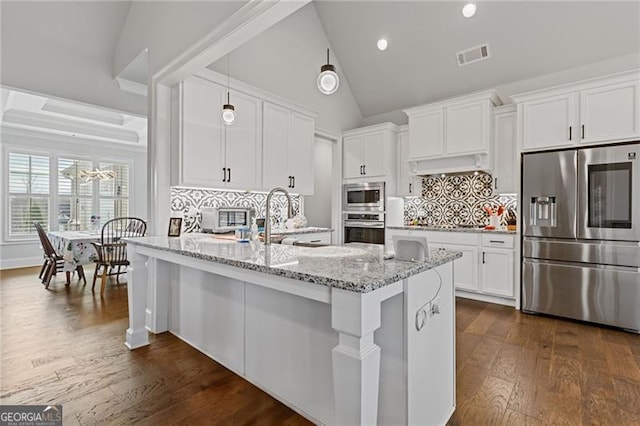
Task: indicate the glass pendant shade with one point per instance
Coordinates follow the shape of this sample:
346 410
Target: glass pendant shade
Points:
328 80
228 115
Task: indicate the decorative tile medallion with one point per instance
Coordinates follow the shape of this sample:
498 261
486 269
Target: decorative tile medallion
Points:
190 201
457 199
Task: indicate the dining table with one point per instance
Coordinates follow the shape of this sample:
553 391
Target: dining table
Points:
76 249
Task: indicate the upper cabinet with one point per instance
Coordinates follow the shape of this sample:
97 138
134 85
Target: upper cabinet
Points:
452 135
505 174
288 149
212 154
408 185
369 154
597 111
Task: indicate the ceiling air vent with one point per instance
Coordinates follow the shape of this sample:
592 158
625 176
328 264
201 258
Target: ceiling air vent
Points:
474 54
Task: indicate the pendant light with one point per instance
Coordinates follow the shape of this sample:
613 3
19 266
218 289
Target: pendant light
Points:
328 80
228 115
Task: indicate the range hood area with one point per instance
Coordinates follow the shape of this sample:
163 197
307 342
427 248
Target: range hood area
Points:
461 163
453 136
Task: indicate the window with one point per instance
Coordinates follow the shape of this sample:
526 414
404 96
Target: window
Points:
75 194
29 196
114 193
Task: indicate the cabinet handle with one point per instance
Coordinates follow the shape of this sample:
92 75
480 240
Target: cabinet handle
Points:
294 181
361 171
229 178
364 169
410 188
569 132
583 131
495 183
483 257
224 174
289 182
496 241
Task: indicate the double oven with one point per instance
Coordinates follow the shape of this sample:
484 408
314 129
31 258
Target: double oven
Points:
364 213
581 234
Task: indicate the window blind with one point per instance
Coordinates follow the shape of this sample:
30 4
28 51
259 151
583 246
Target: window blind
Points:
28 193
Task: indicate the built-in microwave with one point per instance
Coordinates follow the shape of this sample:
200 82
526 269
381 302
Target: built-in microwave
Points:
364 196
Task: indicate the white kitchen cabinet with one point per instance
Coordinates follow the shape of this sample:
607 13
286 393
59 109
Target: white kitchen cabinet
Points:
505 175
426 134
314 237
486 269
287 149
467 127
363 155
452 135
497 271
409 185
369 154
600 110
610 112
465 269
212 154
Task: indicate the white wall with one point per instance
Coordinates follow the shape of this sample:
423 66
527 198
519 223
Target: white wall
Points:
317 207
286 60
611 66
64 49
167 28
28 253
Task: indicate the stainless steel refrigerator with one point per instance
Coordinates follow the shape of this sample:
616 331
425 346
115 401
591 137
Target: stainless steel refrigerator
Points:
581 234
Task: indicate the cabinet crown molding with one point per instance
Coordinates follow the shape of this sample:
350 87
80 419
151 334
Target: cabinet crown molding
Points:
633 75
373 128
490 95
248 89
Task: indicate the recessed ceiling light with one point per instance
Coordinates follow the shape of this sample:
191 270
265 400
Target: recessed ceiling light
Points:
382 44
468 10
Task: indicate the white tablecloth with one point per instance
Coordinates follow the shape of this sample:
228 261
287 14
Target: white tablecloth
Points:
75 247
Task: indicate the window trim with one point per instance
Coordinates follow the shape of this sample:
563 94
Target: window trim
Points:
54 156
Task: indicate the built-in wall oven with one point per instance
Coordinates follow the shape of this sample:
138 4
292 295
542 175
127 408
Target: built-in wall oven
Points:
364 197
364 227
581 234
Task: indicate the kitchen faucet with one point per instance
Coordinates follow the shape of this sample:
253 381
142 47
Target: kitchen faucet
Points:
267 220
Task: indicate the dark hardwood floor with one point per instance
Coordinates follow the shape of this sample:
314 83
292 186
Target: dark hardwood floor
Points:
65 346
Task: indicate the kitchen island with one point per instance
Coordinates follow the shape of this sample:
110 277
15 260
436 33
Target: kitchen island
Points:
340 333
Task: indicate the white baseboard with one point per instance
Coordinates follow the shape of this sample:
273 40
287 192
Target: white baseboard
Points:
22 262
486 298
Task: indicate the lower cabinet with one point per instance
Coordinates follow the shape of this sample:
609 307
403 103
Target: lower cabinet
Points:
486 269
314 237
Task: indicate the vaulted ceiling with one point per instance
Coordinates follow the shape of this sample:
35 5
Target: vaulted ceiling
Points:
526 39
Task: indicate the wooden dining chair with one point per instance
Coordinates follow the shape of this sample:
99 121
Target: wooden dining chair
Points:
53 261
111 251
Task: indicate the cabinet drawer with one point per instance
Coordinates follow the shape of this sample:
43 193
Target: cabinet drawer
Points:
314 237
501 241
466 238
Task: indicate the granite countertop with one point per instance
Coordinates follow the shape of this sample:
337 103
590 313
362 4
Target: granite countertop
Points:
298 231
446 229
358 268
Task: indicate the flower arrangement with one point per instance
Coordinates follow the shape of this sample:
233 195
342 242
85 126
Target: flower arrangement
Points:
494 216
95 222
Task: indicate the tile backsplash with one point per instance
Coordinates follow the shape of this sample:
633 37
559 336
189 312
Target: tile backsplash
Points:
189 202
457 199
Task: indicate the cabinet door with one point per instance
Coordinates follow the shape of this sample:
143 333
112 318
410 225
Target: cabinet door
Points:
550 122
504 176
242 144
408 185
610 113
497 272
201 143
466 128
373 150
426 137
275 146
465 269
352 157
301 153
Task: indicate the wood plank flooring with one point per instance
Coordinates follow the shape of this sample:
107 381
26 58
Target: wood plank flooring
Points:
65 346
518 369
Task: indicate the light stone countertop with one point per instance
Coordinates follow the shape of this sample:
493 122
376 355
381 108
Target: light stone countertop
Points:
298 231
444 229
358 268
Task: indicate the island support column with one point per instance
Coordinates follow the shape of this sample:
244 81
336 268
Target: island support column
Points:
137 335
356 359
